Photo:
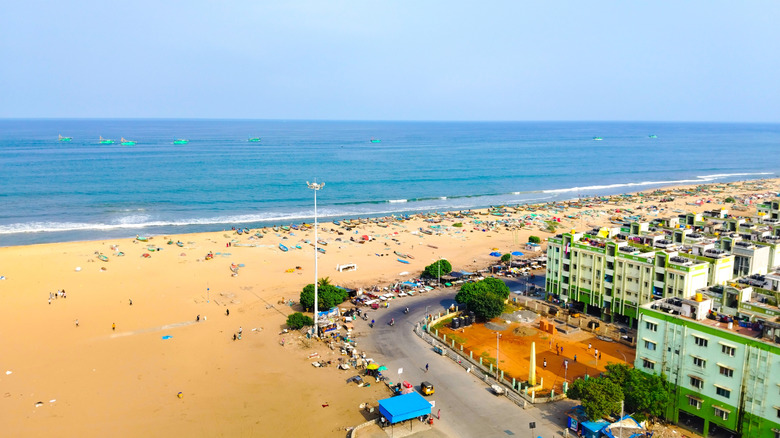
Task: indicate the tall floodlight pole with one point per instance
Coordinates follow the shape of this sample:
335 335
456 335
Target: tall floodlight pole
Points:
315 186
498 336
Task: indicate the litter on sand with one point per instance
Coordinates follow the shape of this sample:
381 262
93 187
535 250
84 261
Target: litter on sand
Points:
167 337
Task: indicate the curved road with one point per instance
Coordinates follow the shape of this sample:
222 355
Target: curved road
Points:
468 407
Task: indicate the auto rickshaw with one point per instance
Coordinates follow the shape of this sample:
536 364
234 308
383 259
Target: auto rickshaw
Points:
426 388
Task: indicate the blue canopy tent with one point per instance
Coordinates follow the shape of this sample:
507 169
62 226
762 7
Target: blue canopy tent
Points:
404 407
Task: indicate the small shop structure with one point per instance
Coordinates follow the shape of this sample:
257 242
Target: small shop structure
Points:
404 407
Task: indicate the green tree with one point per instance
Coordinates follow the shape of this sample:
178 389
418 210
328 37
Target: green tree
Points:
534 239
646 394
485 297
599 396
506 258
438 268
730 200
298 320
327 295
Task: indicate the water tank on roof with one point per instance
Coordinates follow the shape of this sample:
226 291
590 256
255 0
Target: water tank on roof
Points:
699 297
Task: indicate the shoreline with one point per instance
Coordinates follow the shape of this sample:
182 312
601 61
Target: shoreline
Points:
176 336
126 231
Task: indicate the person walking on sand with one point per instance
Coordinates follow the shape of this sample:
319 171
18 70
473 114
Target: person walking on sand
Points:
131 302
113 326
545 363
77 322
227 312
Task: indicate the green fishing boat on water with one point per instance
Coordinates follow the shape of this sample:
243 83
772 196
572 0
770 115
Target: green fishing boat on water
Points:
61 138
255 139
106 141
597 138
125 142
181 141
375 140
653 136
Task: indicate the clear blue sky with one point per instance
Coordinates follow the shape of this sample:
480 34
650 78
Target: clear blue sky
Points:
392 60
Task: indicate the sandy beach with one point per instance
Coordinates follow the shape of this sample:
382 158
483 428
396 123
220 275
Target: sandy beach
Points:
94 380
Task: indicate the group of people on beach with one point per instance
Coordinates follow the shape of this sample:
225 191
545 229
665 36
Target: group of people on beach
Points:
56 295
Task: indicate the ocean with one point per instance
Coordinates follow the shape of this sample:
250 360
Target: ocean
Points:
56 191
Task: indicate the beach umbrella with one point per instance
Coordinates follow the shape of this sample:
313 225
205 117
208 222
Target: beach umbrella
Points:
517 253
372 366
495 254
382 368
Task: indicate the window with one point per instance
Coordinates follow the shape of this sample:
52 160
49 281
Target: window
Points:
699 362
725 371
778 412
649 364
721 413
653 327
728 350
650 345
697 382
701 342
696 403
723 392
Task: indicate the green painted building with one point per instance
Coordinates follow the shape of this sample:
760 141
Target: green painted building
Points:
725 375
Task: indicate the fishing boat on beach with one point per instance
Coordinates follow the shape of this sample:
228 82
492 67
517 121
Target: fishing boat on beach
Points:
125 142
336 223
102 257
403 261
141 238
322 242
61 138
283 248
322 250
180 141
106 140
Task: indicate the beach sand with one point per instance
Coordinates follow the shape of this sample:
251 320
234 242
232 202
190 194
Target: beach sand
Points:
93 380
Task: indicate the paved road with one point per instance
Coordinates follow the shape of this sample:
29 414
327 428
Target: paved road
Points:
468 408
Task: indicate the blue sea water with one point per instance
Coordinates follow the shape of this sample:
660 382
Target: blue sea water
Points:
55 191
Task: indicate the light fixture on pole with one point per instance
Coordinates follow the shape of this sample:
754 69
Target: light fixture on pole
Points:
315 186
498 336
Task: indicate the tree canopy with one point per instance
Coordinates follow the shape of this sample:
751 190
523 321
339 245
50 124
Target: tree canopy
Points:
645 395
328 296
600 396
437 269
485 297
298 320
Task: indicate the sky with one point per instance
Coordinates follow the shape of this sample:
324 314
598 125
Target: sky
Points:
392 60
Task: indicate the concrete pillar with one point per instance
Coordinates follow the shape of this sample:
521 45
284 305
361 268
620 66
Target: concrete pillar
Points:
444 337
552 393
513 383
502 374
565 387
461 347
480 360
453 343
491 367
471 355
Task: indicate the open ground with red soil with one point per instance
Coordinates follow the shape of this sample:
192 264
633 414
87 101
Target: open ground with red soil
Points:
514 351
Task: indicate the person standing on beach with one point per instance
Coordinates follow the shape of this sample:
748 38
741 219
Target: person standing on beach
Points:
227 312
77 322
113 326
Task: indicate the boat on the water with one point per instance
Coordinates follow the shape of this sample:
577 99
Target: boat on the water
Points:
125 142
597 138
61 138
653 136
254 139
375 140
106 140
283 248
180 141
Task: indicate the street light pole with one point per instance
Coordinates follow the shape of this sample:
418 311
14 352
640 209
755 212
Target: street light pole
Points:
498 336
315 186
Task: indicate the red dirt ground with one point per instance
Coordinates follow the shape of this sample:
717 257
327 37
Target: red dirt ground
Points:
515 352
